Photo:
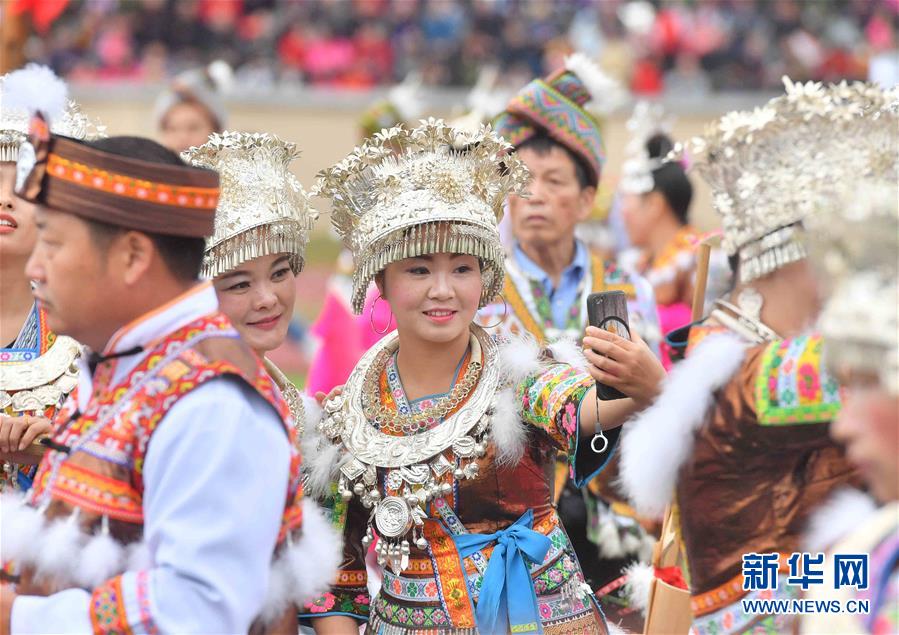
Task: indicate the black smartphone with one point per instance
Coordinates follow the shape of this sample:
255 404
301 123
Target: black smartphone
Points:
608 310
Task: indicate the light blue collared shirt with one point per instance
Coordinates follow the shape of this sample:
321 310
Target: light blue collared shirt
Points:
563 297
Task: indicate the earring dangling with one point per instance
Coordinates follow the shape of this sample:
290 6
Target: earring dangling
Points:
751 302
502 319
371 318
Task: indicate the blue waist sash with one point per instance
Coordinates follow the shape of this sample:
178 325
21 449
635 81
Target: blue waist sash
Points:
507 603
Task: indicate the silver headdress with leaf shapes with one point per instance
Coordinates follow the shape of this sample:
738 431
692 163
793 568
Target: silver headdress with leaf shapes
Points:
855 244
648 119
432 189
772 168
262 209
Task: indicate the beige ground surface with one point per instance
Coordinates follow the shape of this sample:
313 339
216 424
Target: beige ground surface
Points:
325 135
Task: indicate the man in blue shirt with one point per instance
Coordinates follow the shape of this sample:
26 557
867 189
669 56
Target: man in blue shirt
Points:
549 274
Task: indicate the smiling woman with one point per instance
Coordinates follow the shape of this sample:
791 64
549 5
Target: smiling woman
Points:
262 226
26 342
258 297
442 443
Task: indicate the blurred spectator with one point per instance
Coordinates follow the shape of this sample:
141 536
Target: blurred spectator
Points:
192 107
652 45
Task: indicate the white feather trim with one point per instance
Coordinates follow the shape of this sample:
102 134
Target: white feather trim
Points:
631 543
606 93
507 431
614 629
221 74
316 556
277 599
567 351
638 585
313 411
520 357
35 88
19 525
100 560
60 543
657 442
840 514
321 462
609 540
307 567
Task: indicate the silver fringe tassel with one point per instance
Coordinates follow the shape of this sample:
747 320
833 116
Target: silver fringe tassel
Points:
771 252
265 240
433 238
9 147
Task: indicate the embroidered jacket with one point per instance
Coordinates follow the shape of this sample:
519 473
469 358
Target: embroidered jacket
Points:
526 308
756 462
440 589
37 373
89 490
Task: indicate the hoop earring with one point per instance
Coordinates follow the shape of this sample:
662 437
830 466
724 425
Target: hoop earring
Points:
371 318
502 319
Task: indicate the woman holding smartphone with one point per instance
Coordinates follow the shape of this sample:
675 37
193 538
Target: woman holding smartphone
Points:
443 442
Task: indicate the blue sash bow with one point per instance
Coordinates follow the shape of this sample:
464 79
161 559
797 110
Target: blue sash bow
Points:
507 603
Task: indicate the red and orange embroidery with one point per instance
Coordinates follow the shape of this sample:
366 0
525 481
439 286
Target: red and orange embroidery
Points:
200 198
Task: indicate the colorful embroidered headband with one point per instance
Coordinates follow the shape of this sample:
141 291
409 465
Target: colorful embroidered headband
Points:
565 106
73 177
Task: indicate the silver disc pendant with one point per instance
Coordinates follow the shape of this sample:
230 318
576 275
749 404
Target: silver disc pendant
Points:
392 517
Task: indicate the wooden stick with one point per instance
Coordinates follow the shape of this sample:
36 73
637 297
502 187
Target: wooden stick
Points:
702 280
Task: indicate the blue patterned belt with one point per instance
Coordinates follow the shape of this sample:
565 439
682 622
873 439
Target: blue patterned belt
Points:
475 580
507 603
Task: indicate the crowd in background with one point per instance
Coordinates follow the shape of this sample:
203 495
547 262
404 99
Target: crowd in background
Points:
660 46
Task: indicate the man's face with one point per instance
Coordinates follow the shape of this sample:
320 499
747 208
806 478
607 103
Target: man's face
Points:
74 285
556 203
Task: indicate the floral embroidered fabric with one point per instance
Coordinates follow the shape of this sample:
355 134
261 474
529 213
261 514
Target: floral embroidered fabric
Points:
793 386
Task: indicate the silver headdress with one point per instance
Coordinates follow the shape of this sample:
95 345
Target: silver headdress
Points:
857 248
404 193
34 88
263 209
774 167
647 120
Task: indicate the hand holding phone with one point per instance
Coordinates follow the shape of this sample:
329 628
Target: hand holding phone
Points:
607 310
